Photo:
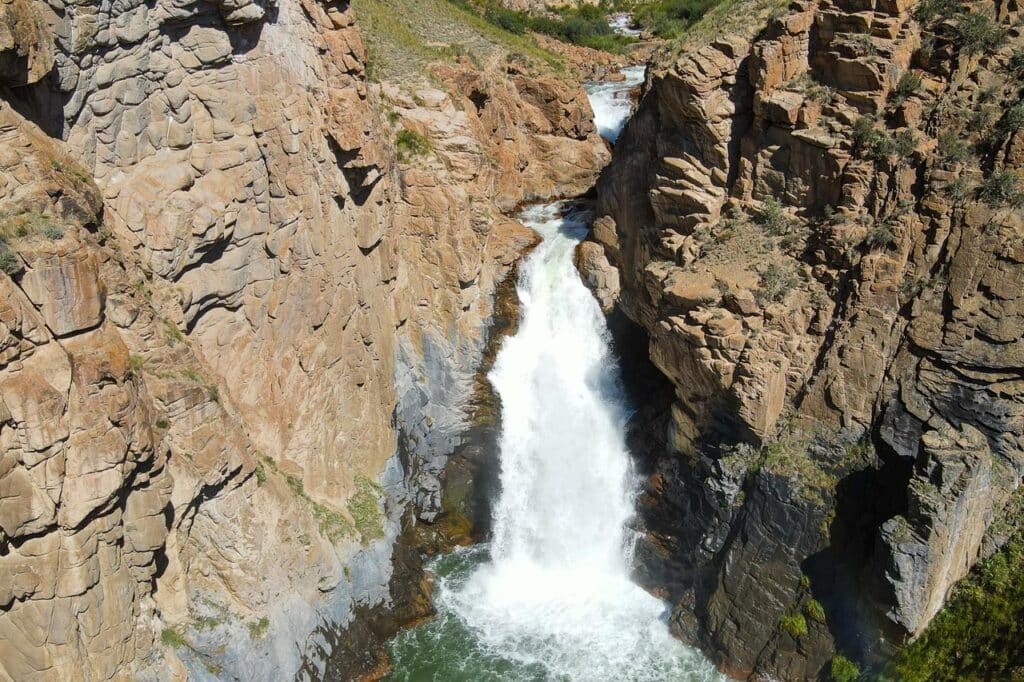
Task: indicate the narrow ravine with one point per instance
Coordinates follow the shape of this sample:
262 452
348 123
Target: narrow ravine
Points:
550 596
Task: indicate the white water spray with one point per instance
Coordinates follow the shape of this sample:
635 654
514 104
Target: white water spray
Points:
554 600
612 101
557 592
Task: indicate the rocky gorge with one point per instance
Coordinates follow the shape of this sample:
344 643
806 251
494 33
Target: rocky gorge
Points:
818 223
257 254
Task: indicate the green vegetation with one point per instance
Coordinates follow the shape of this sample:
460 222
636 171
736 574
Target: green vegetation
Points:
976 32
261 474
871 143
979 635
1012 120
952 147
9 262
364 507
776 281
814 610
136 363
1016 64
586 25
411 144
1002 189
794 624
258 630
772 218
880 236
161 423
907 85
843 669
672 18
403 36
172 638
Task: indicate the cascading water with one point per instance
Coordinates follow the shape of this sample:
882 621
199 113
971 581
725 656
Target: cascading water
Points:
612 101
550 597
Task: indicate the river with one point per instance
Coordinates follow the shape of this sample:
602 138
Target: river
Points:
550 596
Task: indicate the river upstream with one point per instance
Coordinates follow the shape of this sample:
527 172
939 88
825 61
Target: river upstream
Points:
550 596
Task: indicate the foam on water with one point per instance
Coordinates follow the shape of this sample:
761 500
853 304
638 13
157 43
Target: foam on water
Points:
612 101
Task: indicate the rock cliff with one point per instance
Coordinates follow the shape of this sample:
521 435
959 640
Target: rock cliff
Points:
245 291
819 222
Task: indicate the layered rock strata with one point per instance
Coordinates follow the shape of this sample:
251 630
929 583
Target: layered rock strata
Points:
241 324
820 228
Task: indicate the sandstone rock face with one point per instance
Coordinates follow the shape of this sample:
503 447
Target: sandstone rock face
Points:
825 281
240 324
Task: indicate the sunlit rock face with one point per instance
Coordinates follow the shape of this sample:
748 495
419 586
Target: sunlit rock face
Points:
226 300
835 299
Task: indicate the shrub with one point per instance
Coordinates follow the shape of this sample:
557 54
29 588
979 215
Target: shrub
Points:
364 507
1012 120
814 610
935 9
776 282
952 147
507 19
172 638
1002 188
9 263
670 18
1016 63
907 85
772 218
905 143
794 625
843 669
258 629
261 474
411 144
881 236
975 33
53 232
161 423
870 142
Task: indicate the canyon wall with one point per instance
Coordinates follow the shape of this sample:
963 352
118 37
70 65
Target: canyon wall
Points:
820 225
241 322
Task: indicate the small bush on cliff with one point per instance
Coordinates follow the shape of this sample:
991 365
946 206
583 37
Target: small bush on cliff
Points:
953 147
843 669
1016 64
411 144
793 624
364 507
907 85
776 282
9 262
259 629
935 9
814 610
172 638
1002 189
975 33
1012 120
773 218
871 143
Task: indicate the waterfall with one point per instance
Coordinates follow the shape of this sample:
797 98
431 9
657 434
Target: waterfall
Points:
612 101
551 598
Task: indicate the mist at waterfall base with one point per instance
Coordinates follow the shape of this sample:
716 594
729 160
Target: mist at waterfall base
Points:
550 598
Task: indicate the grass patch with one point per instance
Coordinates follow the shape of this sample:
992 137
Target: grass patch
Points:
794 624
365 509
814 610
1002 189
258 629
172 638
979 634
843 669
403 36
411 145
672 18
